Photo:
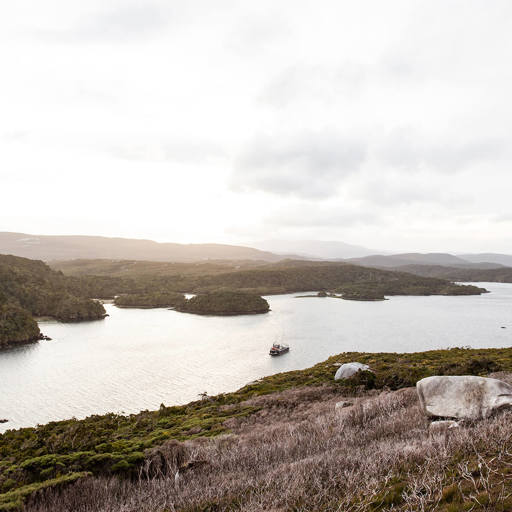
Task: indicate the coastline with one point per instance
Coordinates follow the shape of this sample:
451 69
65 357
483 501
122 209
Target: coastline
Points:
118 445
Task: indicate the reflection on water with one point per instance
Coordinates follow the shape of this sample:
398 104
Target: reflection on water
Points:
139 358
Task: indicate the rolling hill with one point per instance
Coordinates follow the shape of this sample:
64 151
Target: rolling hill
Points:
54 247
316 249
400 260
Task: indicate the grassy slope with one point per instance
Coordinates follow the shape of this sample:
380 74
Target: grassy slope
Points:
119 445
300 454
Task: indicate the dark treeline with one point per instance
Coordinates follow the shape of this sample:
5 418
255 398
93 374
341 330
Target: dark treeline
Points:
31 289
108 278
489 275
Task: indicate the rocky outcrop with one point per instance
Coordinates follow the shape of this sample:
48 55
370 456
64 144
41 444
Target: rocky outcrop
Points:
348 369
466 396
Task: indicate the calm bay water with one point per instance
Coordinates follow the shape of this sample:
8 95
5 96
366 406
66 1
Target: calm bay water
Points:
139 358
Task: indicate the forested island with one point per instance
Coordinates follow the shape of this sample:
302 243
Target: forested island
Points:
225 303
30 289
150 300
212 303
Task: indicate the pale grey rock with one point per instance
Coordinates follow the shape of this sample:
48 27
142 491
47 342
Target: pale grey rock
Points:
464 396
443 426
348 369
342 405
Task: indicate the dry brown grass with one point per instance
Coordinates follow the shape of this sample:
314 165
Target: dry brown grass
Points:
299 454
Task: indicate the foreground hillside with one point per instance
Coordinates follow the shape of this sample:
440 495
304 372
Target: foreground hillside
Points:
276 444
29 289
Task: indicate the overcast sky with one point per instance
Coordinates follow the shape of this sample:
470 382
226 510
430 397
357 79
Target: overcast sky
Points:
384 124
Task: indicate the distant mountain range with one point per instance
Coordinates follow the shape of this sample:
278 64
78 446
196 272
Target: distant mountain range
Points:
48 248
314 249
444 259
57 247
500 259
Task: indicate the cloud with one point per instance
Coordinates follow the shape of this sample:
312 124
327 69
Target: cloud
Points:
124 22
399 190
304 82
178 151
14 135
311 216
407 149
311 165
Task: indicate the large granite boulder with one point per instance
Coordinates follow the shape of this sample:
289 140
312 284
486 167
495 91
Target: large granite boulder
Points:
465 396
348 369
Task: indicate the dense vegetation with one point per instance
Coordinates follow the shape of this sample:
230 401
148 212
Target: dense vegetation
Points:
17 326
150 300
491 275
225 303
29 289
112 278
37 289
52 454
134 268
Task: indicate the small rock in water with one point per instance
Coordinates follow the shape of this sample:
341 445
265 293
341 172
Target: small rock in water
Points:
3 421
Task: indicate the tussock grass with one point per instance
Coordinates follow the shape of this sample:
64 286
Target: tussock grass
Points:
117 448
376 455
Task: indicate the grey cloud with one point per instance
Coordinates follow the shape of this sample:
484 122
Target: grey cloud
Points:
14 135
311 82
258 33
126 21
396 191
506 217
308 165
314 217
405 149
305 218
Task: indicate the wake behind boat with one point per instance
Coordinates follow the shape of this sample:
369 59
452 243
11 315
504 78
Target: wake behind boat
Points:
278 349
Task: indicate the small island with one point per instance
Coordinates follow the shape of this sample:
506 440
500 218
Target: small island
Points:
225 303
353 294
150 300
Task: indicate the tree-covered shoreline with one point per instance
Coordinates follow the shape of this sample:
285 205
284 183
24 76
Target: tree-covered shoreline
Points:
41 291
30 289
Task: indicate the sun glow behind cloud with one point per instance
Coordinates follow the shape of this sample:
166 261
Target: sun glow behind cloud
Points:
379 124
